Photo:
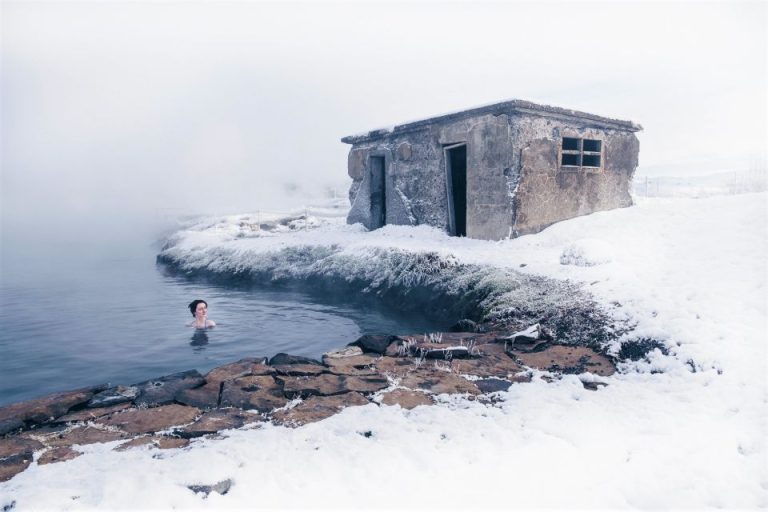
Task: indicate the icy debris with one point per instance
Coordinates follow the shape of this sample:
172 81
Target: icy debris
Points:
587 252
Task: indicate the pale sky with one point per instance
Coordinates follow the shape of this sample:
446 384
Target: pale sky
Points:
131 108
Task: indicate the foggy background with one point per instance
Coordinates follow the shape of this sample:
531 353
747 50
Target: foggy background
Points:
119 116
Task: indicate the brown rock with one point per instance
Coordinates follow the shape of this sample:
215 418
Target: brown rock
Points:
204 397
353 365
242 368
406 398
15 445
59 454
163 390
140 421
169 443
43 409
260 392
329 384
161 442
568 360
13 465
208 396
214 421
491 361
316 408
395 366
82 435
299 369
438 381
91 414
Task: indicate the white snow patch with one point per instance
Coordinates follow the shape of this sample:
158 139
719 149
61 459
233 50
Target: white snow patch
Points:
587 253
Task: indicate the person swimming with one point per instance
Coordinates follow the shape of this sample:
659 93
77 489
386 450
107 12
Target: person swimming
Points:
199 310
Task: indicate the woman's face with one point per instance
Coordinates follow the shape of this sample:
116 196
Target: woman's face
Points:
201 310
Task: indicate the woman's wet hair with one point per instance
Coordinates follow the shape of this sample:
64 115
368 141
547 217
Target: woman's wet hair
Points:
194 303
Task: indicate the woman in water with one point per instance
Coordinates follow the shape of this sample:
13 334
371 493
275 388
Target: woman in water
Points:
199 310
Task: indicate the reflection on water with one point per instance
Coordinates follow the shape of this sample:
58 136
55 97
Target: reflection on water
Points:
199 339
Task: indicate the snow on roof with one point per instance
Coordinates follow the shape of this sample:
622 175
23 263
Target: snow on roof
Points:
507 106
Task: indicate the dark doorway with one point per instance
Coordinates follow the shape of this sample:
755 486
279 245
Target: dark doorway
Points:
456 170
378 192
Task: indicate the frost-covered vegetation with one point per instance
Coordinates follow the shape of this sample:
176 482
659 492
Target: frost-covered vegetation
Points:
435 282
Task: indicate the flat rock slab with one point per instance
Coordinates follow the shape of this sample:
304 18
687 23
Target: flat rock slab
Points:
329 384
43 409
215 421
299 369
438 381
406 398
395 366
141 421
260 392
492 361
92 414
567 360
115 395
13 465
162 391
204 397
17 445
316 408
354 365
241 368
81 435
161 442
283 358
60 454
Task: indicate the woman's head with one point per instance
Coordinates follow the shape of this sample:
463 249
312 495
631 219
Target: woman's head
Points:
198 306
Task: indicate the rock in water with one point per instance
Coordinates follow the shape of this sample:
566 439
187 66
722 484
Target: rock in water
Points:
163 390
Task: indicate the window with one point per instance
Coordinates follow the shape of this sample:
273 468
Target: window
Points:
581 153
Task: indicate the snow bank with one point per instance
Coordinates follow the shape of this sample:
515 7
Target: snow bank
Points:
689 272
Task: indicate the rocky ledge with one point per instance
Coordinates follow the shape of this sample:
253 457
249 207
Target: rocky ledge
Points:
286 390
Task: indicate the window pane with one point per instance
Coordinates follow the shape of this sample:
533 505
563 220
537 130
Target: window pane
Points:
571 159
592 145
570 144
591 160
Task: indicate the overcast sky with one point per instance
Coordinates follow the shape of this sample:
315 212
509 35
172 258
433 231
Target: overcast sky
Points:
130 109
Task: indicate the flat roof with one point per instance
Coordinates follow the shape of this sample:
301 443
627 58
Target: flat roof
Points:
503 107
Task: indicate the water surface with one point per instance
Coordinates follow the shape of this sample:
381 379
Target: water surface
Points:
118 317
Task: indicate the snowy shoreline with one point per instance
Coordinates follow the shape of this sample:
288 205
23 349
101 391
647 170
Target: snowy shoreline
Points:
689 272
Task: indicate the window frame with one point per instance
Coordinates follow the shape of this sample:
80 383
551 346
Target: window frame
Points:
580 153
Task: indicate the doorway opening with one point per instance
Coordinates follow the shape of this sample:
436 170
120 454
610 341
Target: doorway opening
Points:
378 192
456 174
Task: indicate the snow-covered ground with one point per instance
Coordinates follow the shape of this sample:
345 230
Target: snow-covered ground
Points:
682 431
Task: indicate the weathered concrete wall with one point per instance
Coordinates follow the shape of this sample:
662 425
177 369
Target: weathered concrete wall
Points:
514 181
416 176
547 193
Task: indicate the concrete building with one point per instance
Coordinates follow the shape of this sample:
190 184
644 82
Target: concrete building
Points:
492 172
